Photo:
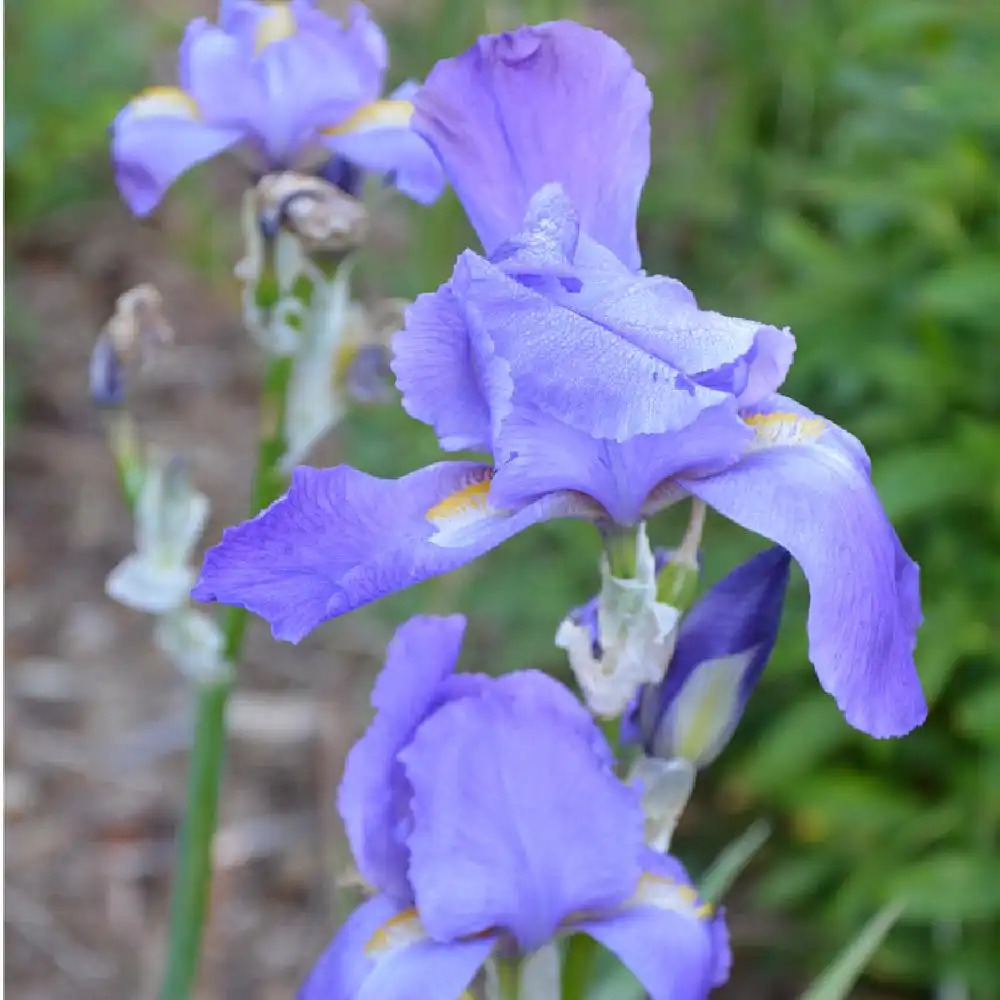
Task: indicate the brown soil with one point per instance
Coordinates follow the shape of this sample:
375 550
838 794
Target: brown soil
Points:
97 720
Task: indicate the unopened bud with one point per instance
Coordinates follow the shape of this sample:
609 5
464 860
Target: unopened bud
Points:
107 374
722 646
322 216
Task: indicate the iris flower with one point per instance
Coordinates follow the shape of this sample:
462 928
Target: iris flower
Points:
598 391
474 849
284 85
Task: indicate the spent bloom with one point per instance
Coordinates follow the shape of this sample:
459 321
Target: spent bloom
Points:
622 638
286 87
600 392
170 514
473 848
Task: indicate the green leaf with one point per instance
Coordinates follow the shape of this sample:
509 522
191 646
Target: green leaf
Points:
954 885
795 744
978 716
837 980
733 859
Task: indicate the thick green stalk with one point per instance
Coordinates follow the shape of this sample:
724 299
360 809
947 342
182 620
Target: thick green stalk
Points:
193 875
503 979
578 966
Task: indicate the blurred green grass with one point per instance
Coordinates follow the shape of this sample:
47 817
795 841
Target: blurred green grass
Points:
832 167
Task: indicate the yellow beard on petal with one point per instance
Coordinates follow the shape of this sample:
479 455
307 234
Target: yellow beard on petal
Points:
400 931
470 499
669 894
275 26
166 101
773 429
378 114
460 514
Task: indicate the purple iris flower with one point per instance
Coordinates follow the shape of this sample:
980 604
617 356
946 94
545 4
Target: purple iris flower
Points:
472 847
723 644
600 392
287 87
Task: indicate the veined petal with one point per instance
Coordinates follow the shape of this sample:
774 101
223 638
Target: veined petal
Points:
155 138
500 842
504 123
213 66
803 486
660 316
360 44
436 373
384 953
572 368
671 941
537 454
373 794
339 539
546 245
306 84
378 138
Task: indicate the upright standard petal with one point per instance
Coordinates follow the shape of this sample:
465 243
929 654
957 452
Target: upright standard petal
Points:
570 367
214 68
742 357
803 486
373 795
384 953
339 539
501 843
156 138
542 104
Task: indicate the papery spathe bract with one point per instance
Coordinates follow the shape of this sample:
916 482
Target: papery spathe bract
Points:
474 848
622 639
283 85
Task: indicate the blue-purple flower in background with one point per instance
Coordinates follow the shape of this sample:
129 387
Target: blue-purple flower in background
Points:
285 86
473 847
598 391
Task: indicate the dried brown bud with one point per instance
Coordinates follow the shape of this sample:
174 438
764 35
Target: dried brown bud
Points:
137 327
324 218
138 322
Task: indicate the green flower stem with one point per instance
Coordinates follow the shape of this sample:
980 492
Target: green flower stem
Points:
503 979
193 875
619 549
268 483
578 966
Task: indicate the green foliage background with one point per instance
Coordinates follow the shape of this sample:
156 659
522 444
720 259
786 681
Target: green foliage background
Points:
830 166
